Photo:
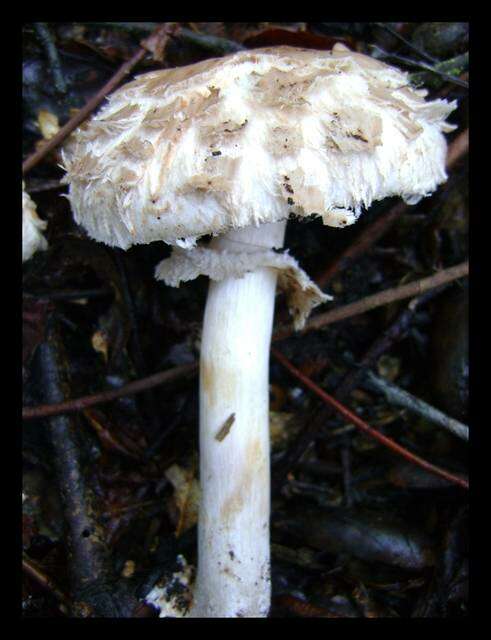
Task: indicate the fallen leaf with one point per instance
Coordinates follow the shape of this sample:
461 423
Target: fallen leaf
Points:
99 343
48 124
186 496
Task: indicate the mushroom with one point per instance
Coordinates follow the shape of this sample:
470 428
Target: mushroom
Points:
231 147
32 226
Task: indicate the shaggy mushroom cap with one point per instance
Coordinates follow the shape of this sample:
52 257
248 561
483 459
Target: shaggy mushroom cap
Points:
252 138
32 226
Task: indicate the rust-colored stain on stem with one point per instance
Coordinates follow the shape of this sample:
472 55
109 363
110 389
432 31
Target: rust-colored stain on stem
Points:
218 385
253 464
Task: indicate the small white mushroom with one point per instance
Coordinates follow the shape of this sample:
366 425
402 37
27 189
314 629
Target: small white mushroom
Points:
231 147
32 226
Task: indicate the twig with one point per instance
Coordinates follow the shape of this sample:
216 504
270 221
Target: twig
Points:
408 43
213 44
421 65
143 610
402 398
83 113
88 551
374 231
108 439
138 358
46 37
32 569
131 27
458 148
457 66
352 418
303 609
303 557
91 572
129 508
169 428
396 331
69 294
379 299
77 404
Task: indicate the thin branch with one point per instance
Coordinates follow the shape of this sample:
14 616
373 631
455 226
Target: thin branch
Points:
83 113
68 294
394 333
402 398
78 404
94 589
352 418
213 44
108 439
139 360
303 609
46 37
32 569
408 43
420 65
390 336
458 148
88 553
379 299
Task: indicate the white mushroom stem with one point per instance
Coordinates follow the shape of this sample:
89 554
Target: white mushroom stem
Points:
233 541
